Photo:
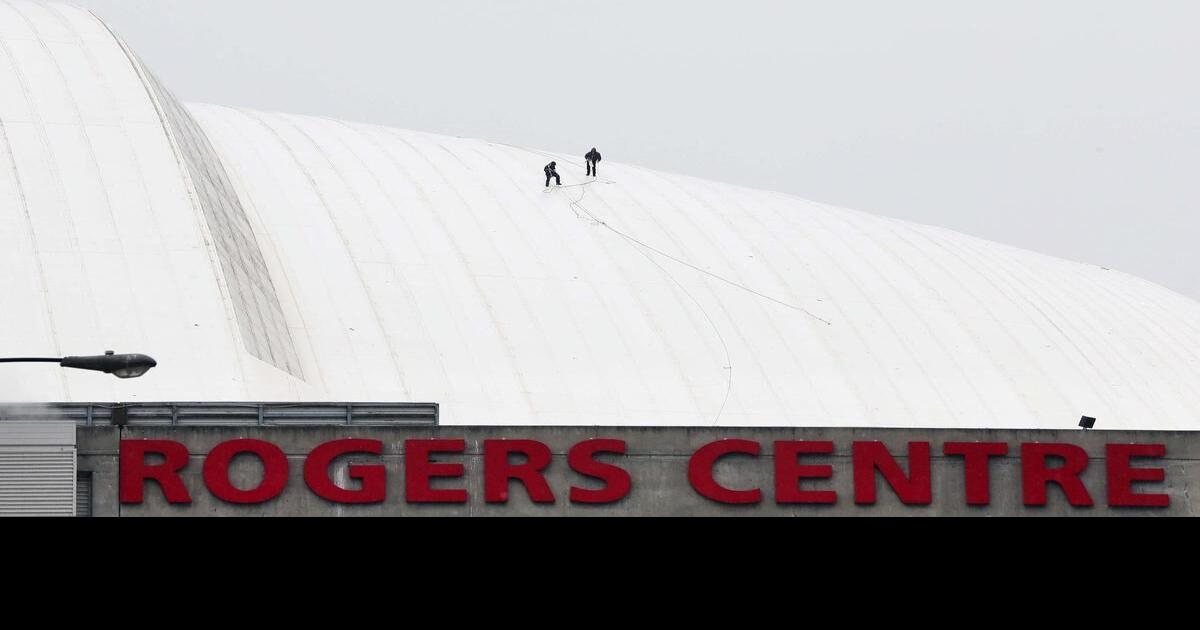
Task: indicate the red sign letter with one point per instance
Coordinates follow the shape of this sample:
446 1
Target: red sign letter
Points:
275 472
976 459
135 472
789 473
1036 476
701 468
498 471
617 482
418 471
373 478
914 489
1121 475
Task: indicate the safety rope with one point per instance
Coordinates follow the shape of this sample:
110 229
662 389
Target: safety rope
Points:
579 207
715 328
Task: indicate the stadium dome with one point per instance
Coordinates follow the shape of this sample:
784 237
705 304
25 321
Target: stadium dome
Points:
272 257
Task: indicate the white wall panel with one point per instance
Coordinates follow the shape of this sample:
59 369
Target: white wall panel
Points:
37 469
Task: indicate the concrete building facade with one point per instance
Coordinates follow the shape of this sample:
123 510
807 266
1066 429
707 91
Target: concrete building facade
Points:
668 471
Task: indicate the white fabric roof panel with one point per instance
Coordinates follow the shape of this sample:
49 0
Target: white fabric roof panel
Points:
105 244
354 262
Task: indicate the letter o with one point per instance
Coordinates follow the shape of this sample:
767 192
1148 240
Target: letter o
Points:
275 472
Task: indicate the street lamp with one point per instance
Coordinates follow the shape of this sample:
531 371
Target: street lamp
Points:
119 365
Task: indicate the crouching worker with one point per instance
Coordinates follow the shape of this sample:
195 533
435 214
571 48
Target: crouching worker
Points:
552 172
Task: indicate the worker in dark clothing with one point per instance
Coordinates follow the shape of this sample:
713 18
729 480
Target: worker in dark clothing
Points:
593 158
551 172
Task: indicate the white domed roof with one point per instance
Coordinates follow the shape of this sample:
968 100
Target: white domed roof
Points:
274 257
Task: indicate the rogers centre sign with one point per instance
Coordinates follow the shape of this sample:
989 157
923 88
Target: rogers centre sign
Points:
434 472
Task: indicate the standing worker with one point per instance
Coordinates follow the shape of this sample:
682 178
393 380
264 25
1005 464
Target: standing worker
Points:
551 171
593 158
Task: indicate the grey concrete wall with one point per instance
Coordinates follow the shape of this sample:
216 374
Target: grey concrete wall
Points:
657 459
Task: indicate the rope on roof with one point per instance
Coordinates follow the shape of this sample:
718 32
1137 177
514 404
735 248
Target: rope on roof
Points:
578 206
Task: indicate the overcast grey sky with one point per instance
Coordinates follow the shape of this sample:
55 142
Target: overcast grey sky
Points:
1070 127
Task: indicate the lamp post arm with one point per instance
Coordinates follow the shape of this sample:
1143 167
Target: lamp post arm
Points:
119 365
